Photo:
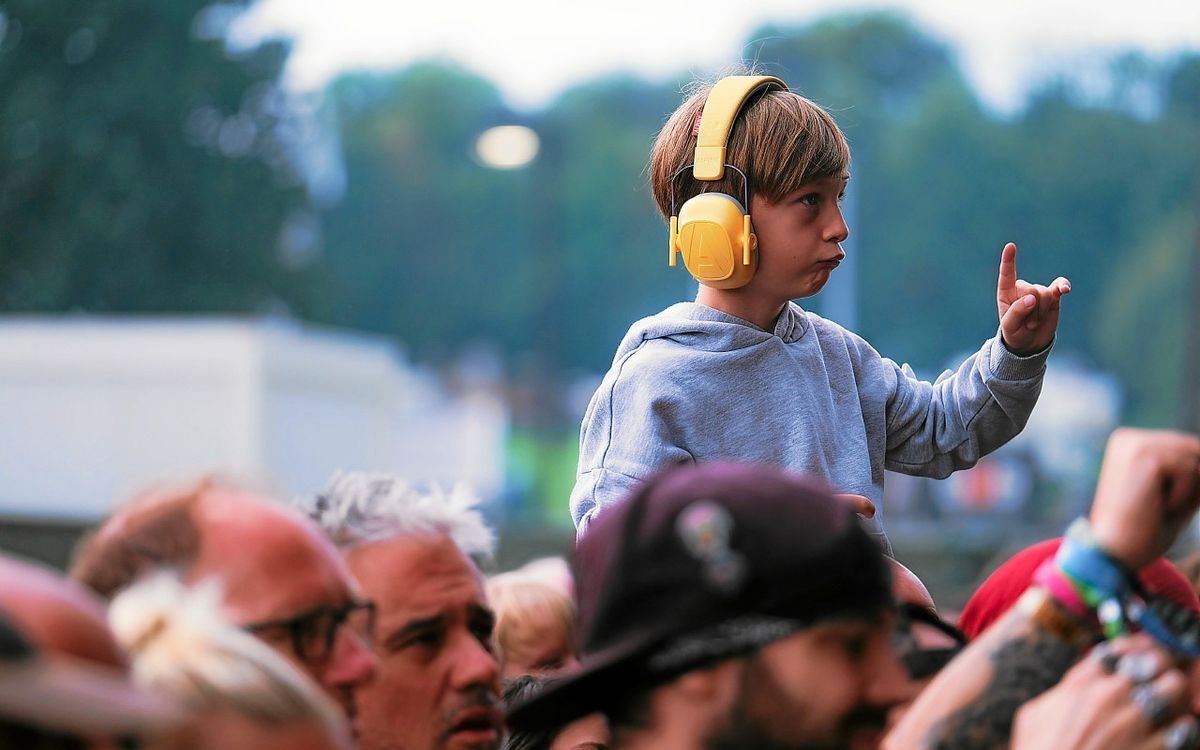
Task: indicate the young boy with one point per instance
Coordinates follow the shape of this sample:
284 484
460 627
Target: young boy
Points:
745 373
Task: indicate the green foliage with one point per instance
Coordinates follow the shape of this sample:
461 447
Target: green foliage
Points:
872 70
140 164
1146 319
543 465
427 243
142 167
612 242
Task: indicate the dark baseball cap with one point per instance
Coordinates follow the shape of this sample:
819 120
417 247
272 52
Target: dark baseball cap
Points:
702 563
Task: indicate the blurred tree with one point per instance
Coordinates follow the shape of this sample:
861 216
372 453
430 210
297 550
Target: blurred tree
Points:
142 165
613 245
1183 89
872 70
1099 179
931 227
1146 320
924 222
428 243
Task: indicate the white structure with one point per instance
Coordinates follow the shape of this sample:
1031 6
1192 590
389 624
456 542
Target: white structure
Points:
91 408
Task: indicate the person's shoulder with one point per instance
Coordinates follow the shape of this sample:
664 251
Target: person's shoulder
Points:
828 330
655 358
827 327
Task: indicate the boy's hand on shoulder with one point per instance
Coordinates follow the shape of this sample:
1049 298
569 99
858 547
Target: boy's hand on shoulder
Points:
1028 312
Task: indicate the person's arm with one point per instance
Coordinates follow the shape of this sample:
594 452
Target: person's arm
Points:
1091 708
936 428
625 437
1149 486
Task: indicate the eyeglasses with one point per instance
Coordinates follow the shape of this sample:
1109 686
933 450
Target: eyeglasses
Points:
313 632
925 662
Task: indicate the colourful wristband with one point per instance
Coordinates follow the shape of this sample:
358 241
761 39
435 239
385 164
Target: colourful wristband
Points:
1049 577
1102 582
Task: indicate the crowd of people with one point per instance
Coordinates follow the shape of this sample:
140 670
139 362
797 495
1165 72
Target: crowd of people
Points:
720 605
732 584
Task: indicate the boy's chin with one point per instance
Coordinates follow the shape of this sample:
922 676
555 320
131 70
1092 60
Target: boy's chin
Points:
811 290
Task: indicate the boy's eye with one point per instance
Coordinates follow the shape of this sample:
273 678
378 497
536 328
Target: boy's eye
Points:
841 197
810 199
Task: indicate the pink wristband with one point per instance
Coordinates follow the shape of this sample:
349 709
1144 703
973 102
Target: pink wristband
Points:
1049 577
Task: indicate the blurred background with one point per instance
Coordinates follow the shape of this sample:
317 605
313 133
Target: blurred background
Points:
282 238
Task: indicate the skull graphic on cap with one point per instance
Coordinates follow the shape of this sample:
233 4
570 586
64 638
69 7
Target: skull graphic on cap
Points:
705 528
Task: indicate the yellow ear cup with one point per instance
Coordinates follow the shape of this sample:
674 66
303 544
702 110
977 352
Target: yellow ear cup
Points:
712 230
713 235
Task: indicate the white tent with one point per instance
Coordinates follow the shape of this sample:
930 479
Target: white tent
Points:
93 407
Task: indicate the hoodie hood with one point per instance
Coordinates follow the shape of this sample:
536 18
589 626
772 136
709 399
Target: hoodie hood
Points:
703 328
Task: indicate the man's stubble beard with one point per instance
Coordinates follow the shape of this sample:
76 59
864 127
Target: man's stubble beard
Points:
745 728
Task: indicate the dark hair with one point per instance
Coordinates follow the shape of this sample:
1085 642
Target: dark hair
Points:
521 689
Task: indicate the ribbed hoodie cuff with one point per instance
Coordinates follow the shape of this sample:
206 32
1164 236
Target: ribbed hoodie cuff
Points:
1008 366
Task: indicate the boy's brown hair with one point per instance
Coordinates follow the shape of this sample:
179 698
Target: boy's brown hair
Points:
780 140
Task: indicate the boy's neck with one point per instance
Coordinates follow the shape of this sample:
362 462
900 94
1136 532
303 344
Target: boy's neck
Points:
738 303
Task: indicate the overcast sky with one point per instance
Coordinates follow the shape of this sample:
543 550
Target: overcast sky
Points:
533 49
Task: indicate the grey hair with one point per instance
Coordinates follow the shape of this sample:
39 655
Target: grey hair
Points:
182 646
361 507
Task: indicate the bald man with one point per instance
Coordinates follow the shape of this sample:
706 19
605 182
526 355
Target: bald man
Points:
282 579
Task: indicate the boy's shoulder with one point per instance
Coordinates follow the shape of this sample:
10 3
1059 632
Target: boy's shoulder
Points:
689 327
827 329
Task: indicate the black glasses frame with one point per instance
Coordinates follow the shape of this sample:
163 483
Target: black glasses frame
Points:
302 628
921 663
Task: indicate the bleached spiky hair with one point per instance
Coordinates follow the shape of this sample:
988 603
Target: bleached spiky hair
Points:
362 507
182 646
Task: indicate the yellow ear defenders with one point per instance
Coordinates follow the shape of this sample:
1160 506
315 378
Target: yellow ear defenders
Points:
712 230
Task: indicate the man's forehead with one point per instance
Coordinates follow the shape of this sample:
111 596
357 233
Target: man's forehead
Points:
418 576
415 556
272 561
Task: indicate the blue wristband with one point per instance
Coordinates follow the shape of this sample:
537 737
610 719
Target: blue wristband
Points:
1087 563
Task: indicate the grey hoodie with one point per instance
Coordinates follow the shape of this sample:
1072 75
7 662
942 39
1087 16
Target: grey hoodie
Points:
695 384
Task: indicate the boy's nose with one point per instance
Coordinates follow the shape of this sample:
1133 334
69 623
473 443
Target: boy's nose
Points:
838 230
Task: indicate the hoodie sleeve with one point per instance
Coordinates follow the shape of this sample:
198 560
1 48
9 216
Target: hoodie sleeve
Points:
933 429
626 436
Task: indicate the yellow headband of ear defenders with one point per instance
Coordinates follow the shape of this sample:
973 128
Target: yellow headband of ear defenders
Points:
712 230
721 109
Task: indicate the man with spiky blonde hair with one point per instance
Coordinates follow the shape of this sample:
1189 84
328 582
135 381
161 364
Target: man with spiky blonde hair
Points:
412 552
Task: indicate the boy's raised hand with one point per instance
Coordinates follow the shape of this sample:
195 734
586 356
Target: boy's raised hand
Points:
1028 312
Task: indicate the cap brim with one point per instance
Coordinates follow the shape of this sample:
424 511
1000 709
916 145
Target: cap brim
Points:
67 695
602 675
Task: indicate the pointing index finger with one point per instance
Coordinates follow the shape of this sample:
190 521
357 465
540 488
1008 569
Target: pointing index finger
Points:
1008 268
